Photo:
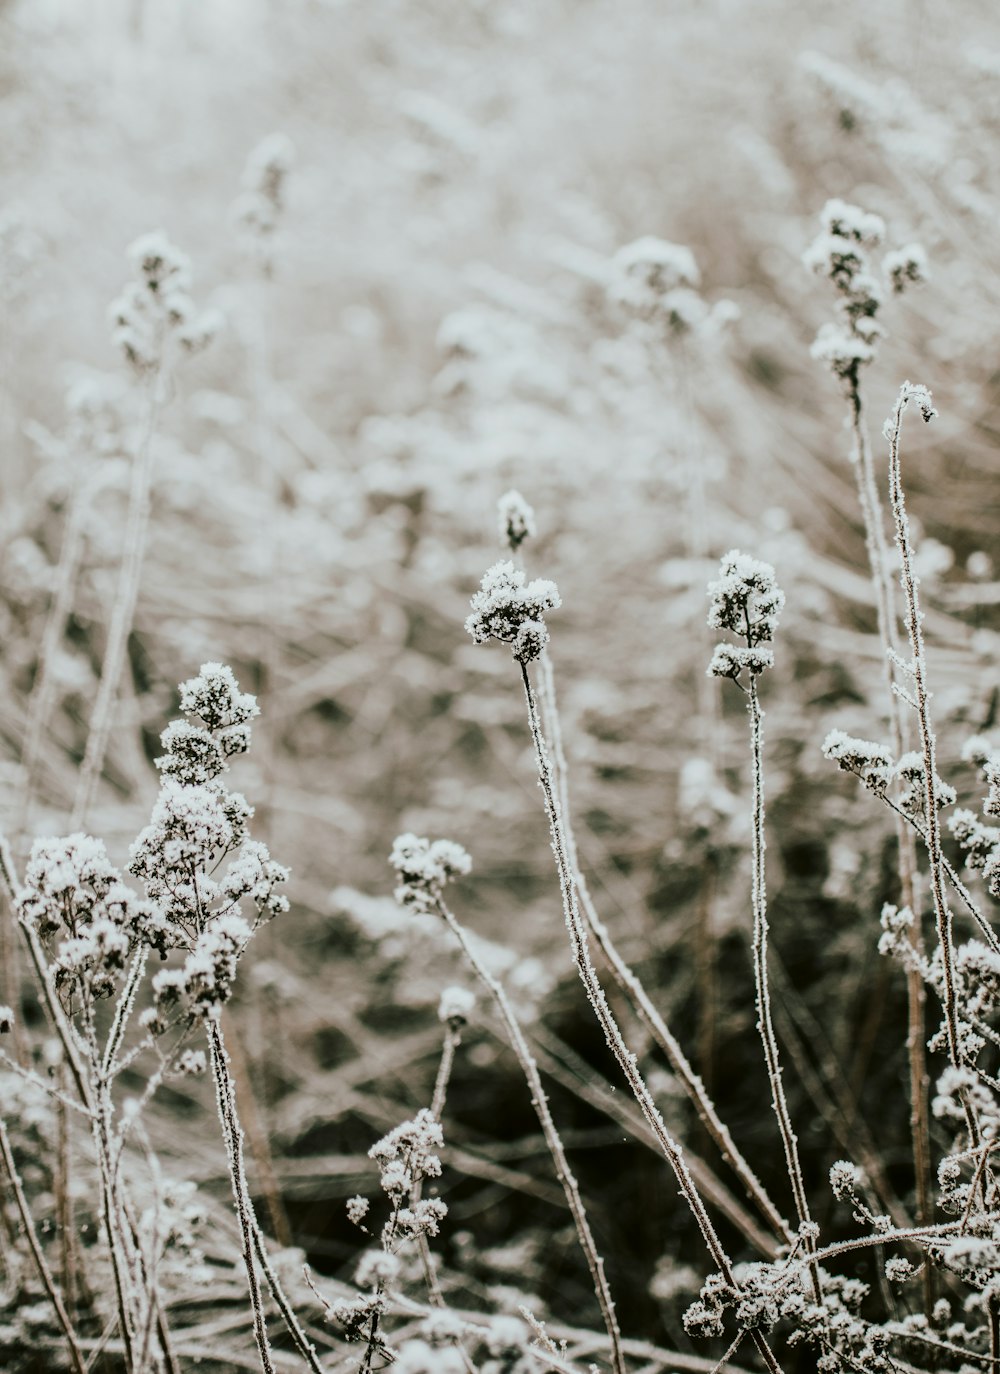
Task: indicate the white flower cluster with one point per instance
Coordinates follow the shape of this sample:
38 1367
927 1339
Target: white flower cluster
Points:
746 600
196 824
156 308
658 282
509 608
259 208
423 868
841 256
71 889
981 843
516 520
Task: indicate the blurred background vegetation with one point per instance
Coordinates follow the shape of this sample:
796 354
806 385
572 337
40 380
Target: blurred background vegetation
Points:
436 331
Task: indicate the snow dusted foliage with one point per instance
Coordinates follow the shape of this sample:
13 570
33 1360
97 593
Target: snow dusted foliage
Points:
509 608
154 310
746 600
197 825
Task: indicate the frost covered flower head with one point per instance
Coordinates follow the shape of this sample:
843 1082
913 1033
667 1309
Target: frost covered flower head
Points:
259 209
746 600
155 308
507 604
516 520
871 763
424 868
456 1006
645 272
906 267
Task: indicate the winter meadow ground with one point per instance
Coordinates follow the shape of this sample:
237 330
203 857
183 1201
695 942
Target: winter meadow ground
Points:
499 737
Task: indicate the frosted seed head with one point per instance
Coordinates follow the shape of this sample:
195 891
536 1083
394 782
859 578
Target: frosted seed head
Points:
906 267
456 1006
516 520
851 222
645 272
506 600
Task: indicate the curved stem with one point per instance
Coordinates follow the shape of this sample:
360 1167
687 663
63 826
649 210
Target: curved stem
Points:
552 1139
580 949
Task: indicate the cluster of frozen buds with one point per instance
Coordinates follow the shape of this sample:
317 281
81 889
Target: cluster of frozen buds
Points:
873 765
405 1157
509 608
515 519
746 600
841 256
196 824
259 208
658 282
155 309
72 891
423 868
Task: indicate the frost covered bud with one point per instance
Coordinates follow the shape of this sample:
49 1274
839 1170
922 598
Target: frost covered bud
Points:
851 222
424 868
745 598
6 1020
905 267
155 306
516 520
871 763
357 1209
648 272
505 601
215 697
192 1063
845 1179
530 641
455 1006
258 210
842 351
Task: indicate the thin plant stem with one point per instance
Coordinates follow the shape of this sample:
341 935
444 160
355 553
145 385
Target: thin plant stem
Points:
881 575
633 989
580 949
932 834
765 1023
37 1254
233 1138
122 610
549 1130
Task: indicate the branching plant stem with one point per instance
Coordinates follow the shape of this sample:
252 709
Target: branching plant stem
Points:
580 949
631 986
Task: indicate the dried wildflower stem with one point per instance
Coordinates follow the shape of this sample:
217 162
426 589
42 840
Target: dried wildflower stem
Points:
37 1254
765 1024
284 1306
633 989
580 949
123 609
233 1139
122 1241
452 1040
552 1138
932 836
43 689
260 1149
881 575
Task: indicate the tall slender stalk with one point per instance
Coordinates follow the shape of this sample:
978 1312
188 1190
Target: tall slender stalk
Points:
552 1138
580 949
122 610
765 1024
631 986
881 575
233 1137
37 1253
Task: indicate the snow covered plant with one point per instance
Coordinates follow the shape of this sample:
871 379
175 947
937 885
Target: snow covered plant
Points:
208 887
